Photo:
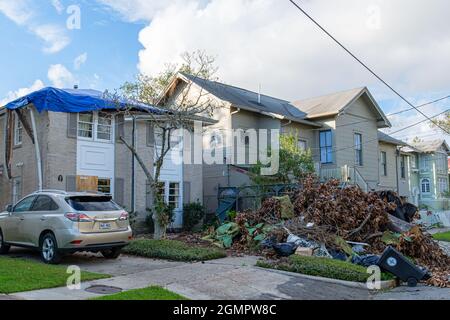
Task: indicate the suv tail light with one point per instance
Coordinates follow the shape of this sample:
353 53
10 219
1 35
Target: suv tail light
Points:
78 217
124 216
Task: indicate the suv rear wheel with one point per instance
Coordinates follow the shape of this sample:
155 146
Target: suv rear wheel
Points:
112 253
49 249
4 248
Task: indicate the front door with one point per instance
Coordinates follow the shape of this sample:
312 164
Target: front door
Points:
172 176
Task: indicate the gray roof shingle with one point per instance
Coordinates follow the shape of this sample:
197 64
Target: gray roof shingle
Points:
388 139
248 100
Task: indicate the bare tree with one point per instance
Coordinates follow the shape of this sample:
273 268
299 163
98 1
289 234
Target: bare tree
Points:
178 111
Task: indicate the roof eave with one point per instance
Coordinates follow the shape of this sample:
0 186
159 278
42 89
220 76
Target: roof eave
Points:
278 116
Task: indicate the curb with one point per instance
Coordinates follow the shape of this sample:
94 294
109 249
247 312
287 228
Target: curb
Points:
387 284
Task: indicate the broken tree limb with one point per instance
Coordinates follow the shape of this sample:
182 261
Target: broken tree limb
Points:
398 225
363 223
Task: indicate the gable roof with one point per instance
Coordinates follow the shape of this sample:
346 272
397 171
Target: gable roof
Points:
332 104
431 146
248 100
383 137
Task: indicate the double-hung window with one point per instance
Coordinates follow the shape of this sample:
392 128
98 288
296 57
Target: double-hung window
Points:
403 167
358 150
326 147
86 125
95 126
18 131
170 193
442 185
104 126
425 185
383 163
302 144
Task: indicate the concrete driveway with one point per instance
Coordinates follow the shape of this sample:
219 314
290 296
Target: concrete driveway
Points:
232 278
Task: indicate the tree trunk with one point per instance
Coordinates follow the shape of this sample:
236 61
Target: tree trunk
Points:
159 231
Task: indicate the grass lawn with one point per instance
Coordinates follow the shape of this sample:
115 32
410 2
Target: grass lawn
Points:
150 293
172 250
18 275
445 236
323 267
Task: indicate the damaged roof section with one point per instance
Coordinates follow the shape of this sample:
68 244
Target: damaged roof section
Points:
77 100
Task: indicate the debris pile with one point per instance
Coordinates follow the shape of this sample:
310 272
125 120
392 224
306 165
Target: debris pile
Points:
346 212
344 223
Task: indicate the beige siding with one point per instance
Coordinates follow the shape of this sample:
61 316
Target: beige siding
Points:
303 132
358 118
404 184
388 182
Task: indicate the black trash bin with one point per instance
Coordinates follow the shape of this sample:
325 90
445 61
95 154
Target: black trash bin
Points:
395 263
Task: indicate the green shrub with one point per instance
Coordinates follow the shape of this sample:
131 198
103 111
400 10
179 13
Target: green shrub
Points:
231 215
445 236
172 250
193 213
323 267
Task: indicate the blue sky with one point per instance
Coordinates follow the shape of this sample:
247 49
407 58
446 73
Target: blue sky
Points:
110 44
255 42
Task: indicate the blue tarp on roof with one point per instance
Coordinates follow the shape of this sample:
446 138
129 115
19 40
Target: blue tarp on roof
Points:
75 101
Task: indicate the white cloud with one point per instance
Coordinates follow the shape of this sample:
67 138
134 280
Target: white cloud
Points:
22 13
60 77
53 36
58 6
12 95
80 60
272 43
16 10
135 10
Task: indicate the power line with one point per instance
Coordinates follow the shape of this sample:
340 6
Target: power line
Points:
395 113
365 66
419 106
391 133
397 131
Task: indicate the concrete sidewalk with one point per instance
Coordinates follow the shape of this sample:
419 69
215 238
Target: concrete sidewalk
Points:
228 278
232 278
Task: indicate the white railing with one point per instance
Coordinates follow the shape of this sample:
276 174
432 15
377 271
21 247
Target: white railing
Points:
347 174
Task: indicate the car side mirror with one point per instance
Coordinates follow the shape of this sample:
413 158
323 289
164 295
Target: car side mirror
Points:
9 208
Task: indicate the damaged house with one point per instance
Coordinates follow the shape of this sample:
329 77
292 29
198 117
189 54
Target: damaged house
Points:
70 140
341 130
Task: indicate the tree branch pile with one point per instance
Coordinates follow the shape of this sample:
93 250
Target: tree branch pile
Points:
358 216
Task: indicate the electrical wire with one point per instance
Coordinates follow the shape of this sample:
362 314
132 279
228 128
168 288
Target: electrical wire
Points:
366 66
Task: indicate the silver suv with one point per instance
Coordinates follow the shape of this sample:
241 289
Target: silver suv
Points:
56 222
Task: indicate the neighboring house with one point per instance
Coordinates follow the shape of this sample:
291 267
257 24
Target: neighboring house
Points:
77 133
429 171
341 130
395 165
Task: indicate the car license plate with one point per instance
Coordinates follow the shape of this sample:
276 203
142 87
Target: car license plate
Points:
105 226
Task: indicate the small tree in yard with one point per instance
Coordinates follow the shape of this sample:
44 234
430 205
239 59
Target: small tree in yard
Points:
177 113
443 123
295 164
